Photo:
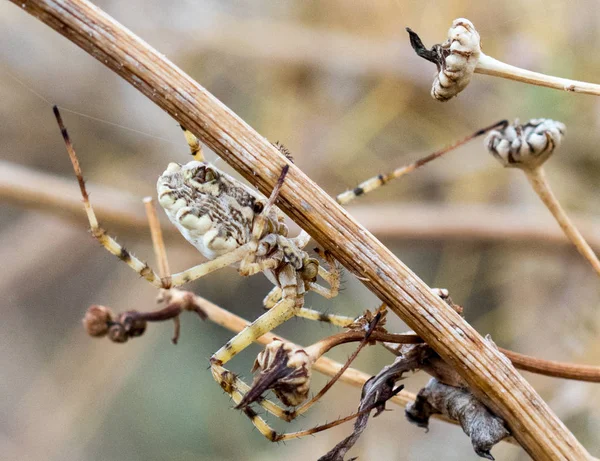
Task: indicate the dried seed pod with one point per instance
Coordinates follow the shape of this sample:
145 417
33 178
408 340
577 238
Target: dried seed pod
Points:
97 321
456 58
461 49
117 333
133 323
528 145
284 368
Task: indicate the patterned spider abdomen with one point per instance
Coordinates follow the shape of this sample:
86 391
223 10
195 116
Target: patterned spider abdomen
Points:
212 210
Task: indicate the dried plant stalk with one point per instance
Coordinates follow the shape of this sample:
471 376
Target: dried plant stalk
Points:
537 179
121 211
493 378
527 147
491 66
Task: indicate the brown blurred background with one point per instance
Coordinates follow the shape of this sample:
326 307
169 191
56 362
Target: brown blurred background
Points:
338 84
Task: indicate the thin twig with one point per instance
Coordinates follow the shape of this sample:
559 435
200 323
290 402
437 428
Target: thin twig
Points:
160 252
491 66
525 362
539 182
318 350
493 380
552 368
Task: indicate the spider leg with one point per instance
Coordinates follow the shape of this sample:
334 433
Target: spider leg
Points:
273 436
334 319
301 240
331 276
338 320
98 232
272 298
283 311
123 254
237 389
194 144
382 179
207 267
240 391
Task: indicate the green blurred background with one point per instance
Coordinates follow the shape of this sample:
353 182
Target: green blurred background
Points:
338 84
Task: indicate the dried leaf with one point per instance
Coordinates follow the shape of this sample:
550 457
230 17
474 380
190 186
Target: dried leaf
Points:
484 428
376 392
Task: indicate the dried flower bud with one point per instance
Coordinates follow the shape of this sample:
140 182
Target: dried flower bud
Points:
133 323
117 333
456 58
97 320
525 146
463 49
284 368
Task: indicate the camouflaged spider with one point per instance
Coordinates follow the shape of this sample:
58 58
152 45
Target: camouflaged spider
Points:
231 224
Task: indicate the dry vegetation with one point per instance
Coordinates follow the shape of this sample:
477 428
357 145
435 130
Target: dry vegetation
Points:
349 99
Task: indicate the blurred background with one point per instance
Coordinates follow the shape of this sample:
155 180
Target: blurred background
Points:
339 85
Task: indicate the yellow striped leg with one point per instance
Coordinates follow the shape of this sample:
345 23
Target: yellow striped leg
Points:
201 270
280 313
338 320
381 179
98 232
331 276
334 319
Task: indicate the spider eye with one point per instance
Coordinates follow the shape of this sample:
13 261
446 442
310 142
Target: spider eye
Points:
258 207
204 174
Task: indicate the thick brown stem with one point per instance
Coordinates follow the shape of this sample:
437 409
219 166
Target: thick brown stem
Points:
493 379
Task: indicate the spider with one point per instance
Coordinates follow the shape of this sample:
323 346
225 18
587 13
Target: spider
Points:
230 223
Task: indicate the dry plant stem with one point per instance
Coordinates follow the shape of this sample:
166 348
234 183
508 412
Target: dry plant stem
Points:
490 66
157 242
120 210
520 361
539 182
492 378
551 368
330 342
